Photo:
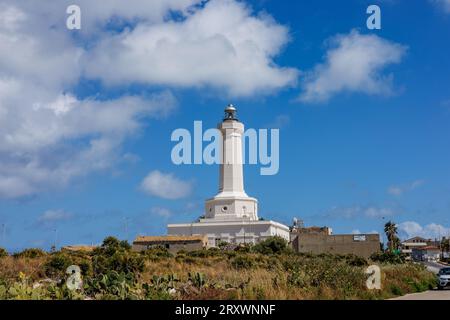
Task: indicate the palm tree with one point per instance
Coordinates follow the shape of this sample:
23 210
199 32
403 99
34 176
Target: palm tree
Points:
445 244
390 228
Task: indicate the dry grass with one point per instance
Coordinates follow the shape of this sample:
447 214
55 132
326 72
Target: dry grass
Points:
11 267
268 278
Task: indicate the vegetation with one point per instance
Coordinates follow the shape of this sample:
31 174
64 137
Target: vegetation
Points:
272 245
445 244
269 270
390 228
388 257
30 253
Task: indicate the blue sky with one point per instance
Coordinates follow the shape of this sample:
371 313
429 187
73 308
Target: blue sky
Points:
86 116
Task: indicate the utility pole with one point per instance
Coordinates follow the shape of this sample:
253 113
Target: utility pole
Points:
56 237
382 232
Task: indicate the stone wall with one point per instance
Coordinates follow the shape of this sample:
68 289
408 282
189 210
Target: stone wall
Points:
170 246
362 245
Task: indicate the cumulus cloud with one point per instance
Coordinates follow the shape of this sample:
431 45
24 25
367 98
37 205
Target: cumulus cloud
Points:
430 231
398 190
50 135
165 185
221 46
97 14
48 144
353 63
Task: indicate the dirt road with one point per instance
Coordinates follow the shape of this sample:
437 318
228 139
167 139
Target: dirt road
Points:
427 295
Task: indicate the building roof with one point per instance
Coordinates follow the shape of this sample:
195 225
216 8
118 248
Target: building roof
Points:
312 230
411 240
169 238
79 248
428 248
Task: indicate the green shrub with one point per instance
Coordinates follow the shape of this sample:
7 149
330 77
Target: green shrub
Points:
57 264
388 257
356 261
396 290
197 279
159 287
115 255
198 253
297 278
112 286
272 245
156 253
3 253
214 252
31 253
122 262
242 262
111 245
243 248
205 253
188 259
272 263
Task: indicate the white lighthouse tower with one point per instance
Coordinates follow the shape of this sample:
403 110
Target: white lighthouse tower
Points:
231 215
231 202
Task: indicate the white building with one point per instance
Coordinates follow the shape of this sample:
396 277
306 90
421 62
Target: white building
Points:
231 215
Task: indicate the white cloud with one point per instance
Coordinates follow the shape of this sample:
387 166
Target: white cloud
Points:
280 121
373 212
96 14
53 216
35 142
357 231
131 158
430 231
360 211
398 190
49 136
395 191
221 46
162 212
443 4
165 185
354 63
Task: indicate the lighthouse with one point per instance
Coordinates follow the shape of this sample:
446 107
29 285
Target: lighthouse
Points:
231 202
231 215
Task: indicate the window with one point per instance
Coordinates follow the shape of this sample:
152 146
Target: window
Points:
359 237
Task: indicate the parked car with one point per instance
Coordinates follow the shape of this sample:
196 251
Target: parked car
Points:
443 278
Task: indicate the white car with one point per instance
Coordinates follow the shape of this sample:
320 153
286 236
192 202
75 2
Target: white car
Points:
443 278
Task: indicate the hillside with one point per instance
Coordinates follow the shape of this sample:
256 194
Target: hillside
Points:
265 271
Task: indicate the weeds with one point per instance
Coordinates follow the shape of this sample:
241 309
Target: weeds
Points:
266 271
